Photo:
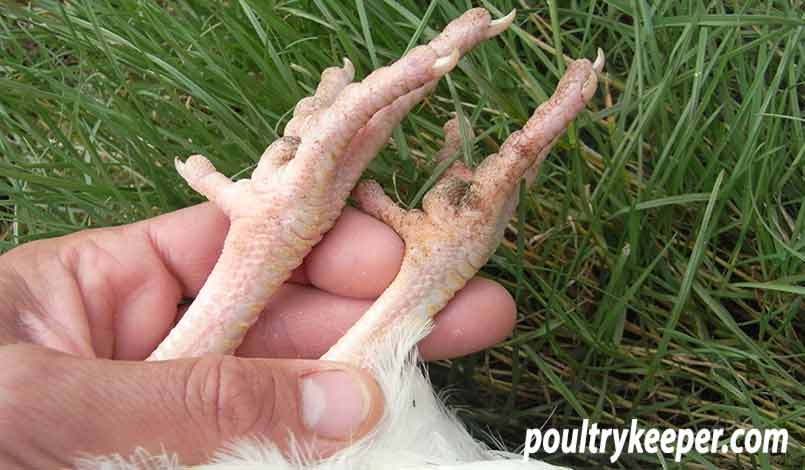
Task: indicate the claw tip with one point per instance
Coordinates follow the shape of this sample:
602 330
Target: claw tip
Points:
349 68
598 65
501 24
445 64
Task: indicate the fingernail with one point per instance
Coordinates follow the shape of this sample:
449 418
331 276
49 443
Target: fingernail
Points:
334 403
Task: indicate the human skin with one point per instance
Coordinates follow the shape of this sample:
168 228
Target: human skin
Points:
79 313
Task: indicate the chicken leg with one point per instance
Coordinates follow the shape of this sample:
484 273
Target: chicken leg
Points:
462 218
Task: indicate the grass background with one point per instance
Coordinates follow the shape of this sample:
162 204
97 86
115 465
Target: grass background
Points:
657 262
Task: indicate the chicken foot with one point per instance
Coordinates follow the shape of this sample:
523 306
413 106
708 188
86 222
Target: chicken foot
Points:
462 220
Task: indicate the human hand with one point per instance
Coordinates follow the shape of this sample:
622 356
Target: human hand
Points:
113 293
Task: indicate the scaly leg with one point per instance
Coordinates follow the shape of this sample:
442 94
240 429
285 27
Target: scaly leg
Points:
461 224
302 181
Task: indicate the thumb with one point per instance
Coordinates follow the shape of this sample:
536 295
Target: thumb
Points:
190 407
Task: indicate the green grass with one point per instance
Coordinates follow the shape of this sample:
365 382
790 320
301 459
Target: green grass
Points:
658 262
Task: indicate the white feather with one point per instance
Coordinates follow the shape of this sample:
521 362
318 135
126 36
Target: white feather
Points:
416 432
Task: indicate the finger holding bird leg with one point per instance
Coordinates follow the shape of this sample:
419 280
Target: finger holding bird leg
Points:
297 190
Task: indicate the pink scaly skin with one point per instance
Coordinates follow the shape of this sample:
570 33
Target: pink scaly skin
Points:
302 181
463 217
